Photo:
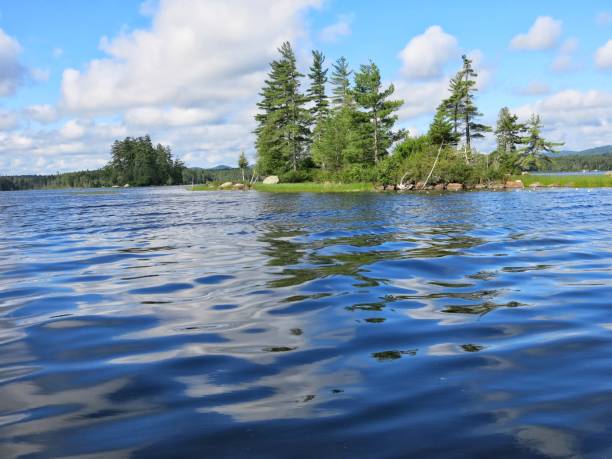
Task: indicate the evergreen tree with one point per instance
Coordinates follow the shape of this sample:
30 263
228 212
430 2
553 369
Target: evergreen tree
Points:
460 106
316 91
508 132
378 113
243 163
533 155
282 130
441 130
335 142
472 129
341 85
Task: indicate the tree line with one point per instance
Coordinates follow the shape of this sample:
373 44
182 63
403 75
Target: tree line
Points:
135 161
350 134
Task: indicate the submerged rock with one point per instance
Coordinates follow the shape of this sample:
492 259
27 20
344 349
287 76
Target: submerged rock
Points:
271 180
454 187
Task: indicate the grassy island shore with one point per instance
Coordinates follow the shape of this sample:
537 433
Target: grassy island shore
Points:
570 181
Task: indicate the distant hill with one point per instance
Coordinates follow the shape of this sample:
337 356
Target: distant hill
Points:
588 152
220 167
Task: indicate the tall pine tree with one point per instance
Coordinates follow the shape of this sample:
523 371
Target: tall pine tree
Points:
283 121
316 91
341 84
378 112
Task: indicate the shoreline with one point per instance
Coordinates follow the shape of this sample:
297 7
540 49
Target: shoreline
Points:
531 182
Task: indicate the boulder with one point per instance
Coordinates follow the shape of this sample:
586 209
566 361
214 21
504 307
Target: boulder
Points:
419 185
535 185
514 184
480 186
496 186
226 185
609 173
439 187
454 187
390 188
238 186
271 180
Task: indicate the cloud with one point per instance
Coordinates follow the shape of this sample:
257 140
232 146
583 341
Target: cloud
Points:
603 18
425 55
603 56
12 72
8 120
580 118
565 62
72 130
535 88
190 80
174 116
210 53
543 34
57 52
341 28
42 113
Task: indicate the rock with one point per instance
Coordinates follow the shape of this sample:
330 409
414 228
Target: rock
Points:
480 186
419 185
380 188
496 186
271 180
390 188
226 185
439 187
609 174
535 185
238 186
454 187
514 184
405 186
127 185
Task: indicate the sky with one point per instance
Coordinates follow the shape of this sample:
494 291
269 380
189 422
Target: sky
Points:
75 75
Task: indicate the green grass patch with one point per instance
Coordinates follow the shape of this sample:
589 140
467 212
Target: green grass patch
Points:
312 187
572 181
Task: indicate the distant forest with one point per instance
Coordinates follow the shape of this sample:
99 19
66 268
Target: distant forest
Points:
135 161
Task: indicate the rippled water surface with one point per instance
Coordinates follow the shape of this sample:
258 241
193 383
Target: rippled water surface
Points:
162 323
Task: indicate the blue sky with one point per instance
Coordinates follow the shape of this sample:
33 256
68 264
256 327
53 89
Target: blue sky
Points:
76 75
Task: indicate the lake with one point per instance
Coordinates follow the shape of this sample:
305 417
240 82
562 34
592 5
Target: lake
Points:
163 323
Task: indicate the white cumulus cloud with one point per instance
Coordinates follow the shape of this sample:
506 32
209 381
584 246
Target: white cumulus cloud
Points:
341 28
543 34
12 72
603 56
425 55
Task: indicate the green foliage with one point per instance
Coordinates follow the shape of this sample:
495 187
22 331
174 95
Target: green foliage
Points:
341 85
459 109
283 121
377 115
336 141
441 130
316 92
533 156
302 175
135 161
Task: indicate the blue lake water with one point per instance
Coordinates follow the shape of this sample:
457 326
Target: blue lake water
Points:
162 323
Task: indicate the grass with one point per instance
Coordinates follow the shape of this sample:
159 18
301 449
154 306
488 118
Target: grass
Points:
571 181
312 187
